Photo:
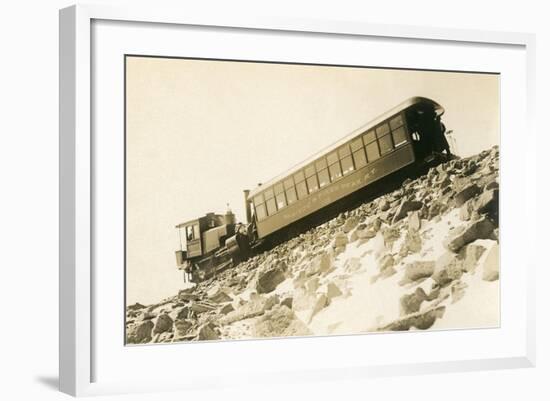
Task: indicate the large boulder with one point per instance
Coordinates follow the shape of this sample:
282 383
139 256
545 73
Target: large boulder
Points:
410 303
466 193
164 323
420 320
319 305
350 224
405 207
418 270
491 265
183 327
333 291
488 203
140 333
479 229
217 295
255 307
268 279
320 264
207 332
411 244
279 322
448 268
470 255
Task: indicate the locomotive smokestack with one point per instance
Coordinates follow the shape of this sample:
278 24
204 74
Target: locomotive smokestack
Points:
247 206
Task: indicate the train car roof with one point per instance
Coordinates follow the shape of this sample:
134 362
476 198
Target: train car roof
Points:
403 105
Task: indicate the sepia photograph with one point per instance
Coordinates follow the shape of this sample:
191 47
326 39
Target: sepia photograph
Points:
273 200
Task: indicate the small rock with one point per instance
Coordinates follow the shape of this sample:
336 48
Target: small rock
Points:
287 302
384 205
411 244
320 303
333 291
188 295
340 239
312 285
414 221
136 306
227 308
201 307
367 233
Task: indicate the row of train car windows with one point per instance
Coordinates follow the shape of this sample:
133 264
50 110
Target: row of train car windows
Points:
352 156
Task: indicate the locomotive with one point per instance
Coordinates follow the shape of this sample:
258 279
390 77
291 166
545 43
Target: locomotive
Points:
376 157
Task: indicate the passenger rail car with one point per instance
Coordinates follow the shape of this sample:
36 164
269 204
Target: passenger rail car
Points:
400 142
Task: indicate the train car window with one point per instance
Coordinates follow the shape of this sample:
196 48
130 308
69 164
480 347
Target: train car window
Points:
396 122
369 137
310 170
301 190
347 165
278 188
382 130
281 200
260 212
299 176
268 193
356 144
372 151
196 231
332 158
386 144
258 199
343 151
320 164
359 159
399 136
335 171
312 184
323 178
291 195
289 183
271 207
189 233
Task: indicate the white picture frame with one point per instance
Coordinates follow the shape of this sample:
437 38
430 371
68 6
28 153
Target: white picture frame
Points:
77 318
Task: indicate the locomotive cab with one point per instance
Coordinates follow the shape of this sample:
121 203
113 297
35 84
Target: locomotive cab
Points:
199 239
427 131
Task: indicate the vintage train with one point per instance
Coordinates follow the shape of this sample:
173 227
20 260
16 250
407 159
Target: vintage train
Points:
373 159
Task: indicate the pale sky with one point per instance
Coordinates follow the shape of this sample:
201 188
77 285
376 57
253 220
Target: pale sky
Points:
200 132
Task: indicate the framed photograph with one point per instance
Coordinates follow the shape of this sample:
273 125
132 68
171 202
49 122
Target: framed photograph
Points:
236 192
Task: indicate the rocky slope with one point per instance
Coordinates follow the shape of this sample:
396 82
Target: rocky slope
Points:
425 256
